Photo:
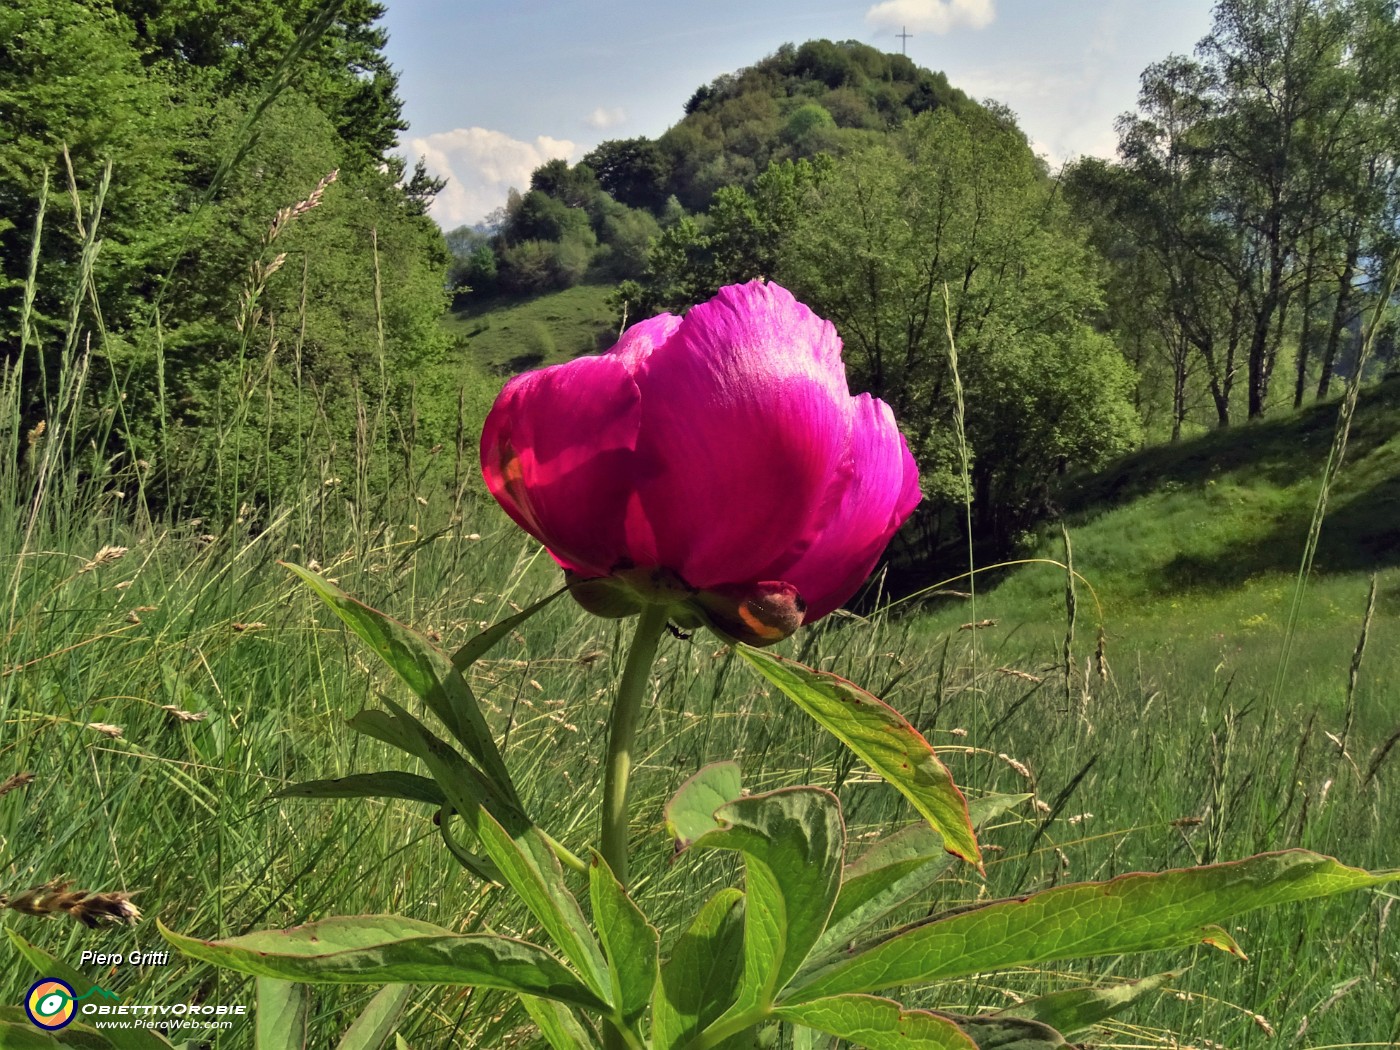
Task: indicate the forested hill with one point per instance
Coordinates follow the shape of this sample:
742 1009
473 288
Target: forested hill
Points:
820 97
595 220
868 187
1227 265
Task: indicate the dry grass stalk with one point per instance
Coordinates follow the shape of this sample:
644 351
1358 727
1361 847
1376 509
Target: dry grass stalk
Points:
179 714
14 783
1071 609
107 729
1025 676
1017 765
978 625
56 898
296 211
1354 673
1380 756
105 556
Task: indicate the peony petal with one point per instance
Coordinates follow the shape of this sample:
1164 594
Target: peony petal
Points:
639 341
747 409
557 452
882 494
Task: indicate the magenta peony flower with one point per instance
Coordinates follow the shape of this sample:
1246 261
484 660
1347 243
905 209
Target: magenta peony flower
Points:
715 462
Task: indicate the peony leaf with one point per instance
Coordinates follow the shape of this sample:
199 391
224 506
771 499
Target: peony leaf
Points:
375 949
892 872
279 1021
389 783
17 1032
521 853
481 644
792 841
995 1032
377 1021
51 966
700 979
1132 913
425 670
1076 1010
877 1024
629 941
883 739
559 1024
691 811
382 726
478 865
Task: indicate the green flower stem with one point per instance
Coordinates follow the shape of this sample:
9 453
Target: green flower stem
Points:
622 732
728 1026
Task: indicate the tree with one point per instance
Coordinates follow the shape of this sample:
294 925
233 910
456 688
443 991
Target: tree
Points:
960 207
206 148
634 171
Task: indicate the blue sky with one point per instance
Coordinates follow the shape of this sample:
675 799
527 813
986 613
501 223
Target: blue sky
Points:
492 89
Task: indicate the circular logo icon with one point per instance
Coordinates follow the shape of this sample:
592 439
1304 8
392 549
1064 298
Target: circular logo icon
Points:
49 1003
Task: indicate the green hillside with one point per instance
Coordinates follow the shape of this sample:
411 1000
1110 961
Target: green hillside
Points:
509 335
1190 553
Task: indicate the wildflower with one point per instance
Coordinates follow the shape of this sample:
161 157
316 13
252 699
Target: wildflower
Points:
715 464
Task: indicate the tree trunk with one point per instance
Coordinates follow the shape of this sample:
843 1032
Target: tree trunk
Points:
1261 350
1304 337
1180 357
1339 318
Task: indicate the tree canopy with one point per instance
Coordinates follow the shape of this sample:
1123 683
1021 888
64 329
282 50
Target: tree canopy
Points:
187 134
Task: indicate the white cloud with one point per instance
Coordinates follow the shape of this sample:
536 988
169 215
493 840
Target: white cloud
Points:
932 16
605 118
481 167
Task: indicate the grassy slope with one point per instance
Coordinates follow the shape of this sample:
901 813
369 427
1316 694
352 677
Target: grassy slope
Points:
181 810
1191 552
511 335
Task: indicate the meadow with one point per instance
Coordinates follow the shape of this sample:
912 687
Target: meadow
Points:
159 682
162 677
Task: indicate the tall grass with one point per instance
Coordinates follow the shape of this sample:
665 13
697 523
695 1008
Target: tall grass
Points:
159 681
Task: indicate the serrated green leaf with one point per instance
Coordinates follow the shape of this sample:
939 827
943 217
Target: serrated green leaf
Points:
559 1025
376 1022
792 841
892 872
425 670
520 853
700 979
279 1023
379 949
995 1032
691 811
629 941
481 644
884 740
1132 913
48 965
389 783
878 1024
1077 1010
